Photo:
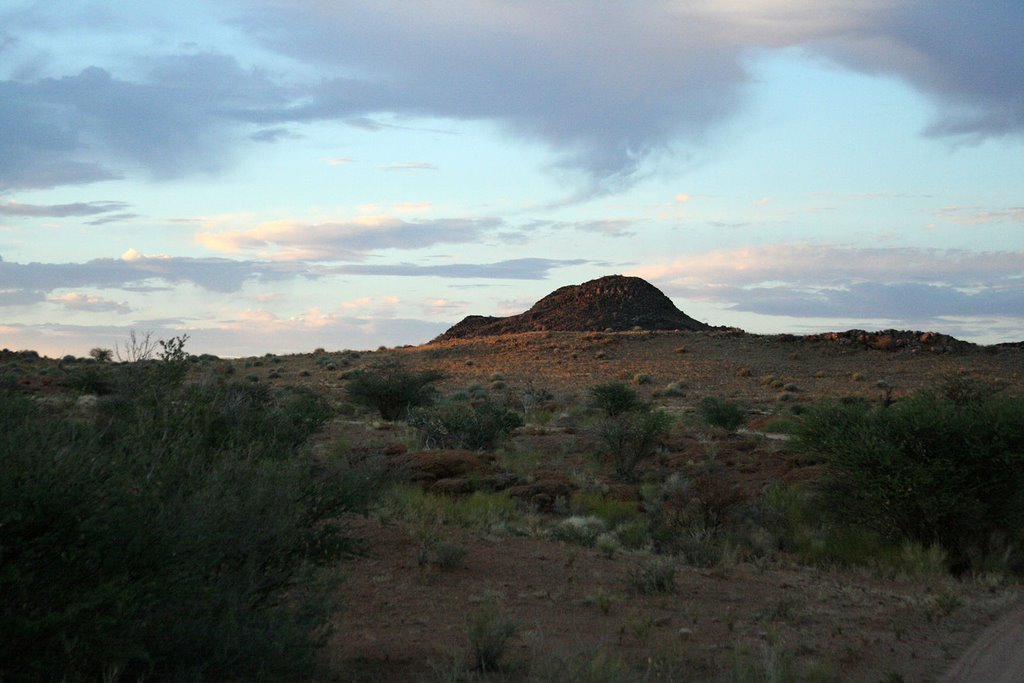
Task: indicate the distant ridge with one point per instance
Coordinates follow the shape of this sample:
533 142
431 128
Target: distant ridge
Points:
891 340
614 302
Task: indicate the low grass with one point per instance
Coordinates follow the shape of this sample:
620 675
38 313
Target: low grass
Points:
490 512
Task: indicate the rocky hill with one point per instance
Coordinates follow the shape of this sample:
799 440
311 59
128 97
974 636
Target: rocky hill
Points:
613 302
890 340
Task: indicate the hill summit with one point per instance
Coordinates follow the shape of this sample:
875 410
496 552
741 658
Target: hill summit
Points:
613 302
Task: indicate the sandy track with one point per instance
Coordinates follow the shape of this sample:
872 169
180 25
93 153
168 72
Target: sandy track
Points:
997 656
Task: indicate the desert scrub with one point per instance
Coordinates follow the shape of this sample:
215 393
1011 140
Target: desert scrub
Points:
675 389
490 512
614 398
449 556
611 510
631 437
718 413
184 533
476 425
930 468
654 575
391 388
489 629
579 530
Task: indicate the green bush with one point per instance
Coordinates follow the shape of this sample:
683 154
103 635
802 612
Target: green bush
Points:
611 510
934 468
185 533
391 388
653 576
719 413
489 629
632 437
91 379
474 425
614 398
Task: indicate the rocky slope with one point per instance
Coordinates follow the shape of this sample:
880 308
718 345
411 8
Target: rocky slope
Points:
614 302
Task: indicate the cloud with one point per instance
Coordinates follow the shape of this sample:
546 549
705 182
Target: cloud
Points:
113 218
135 269
807 280
603 90
972 215
967 57
256 332
30 283
609 227
444 308
371 306
345 240
514 269
412 207
409 166
612 227
60 210
606 89
174 120
274 135
801 263
76 301
20 297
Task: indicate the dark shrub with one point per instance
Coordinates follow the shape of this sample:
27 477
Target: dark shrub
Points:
719 413
942 467
391 388
91 379
185 534
614 398
475 425
633 436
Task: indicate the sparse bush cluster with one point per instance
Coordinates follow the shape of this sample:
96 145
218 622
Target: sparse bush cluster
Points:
178 531
476 425
719 413
943 466
392 389
630 429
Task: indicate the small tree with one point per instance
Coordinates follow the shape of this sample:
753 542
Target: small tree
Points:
392 389
719 413
614 398
136 348
633 437
462 424
173 350
101 355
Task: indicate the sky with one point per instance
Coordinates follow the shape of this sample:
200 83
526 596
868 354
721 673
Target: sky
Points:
274 176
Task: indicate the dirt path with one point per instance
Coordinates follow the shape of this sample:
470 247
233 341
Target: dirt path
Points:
997 656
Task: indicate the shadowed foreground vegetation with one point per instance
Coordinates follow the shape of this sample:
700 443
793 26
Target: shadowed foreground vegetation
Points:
169 530
943 467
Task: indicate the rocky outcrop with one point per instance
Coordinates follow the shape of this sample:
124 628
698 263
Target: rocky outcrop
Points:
890 340
612 303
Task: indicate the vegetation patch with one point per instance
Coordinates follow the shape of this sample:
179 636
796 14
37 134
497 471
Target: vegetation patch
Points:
179 531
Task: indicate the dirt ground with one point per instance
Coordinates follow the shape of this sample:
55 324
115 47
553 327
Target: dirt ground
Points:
405 622
408 622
